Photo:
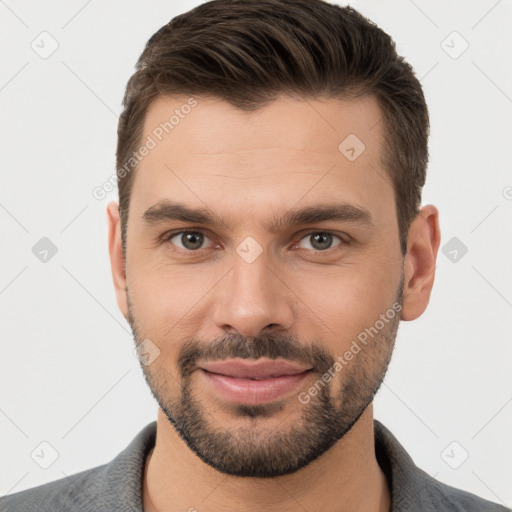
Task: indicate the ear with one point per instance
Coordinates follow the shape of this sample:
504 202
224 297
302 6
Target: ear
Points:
420 262
117 263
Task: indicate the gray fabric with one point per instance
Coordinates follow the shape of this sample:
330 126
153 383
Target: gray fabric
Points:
117 486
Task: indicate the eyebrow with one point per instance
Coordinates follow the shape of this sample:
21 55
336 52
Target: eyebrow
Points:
166 210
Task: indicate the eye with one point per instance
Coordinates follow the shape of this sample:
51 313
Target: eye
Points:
188 240
319 241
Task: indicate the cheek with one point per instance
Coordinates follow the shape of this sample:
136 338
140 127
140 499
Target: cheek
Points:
168 298
345 302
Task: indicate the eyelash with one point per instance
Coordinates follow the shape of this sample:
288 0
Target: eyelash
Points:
166 237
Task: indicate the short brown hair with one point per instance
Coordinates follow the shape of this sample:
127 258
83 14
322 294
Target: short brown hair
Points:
247 52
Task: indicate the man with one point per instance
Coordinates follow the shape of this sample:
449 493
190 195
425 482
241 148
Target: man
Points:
267 242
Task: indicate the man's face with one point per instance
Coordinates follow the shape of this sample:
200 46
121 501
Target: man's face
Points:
263 283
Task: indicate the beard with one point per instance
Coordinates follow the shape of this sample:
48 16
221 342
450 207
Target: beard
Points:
253 450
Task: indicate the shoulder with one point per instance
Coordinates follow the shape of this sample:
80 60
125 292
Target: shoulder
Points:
445 498
113 486
70 493
412 489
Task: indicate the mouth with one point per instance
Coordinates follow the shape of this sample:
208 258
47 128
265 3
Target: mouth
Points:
255 369
256 382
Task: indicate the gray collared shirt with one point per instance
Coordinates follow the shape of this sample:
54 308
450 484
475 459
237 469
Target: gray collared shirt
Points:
117 486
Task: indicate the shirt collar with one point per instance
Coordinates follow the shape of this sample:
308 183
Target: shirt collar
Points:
123 477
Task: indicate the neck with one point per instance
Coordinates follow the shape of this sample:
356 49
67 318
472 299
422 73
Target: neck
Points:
347 477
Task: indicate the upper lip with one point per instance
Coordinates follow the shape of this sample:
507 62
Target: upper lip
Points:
256 369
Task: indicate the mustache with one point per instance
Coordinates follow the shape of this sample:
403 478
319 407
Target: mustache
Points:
269 346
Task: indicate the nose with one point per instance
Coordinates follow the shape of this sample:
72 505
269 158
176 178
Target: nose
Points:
253 300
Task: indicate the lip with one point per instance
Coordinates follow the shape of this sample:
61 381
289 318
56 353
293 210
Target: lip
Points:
257 382
258 369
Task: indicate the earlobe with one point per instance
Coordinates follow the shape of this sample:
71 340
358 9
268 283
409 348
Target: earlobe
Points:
117 262
420 262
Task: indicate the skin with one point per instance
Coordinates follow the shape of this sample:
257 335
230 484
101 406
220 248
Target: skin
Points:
250 168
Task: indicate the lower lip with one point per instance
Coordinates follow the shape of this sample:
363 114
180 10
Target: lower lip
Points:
248 391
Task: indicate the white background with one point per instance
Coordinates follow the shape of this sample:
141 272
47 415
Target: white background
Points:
68 374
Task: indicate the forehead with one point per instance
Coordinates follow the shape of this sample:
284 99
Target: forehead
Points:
307 124
208 153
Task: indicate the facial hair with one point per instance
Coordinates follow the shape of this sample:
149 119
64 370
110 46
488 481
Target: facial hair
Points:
252 450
